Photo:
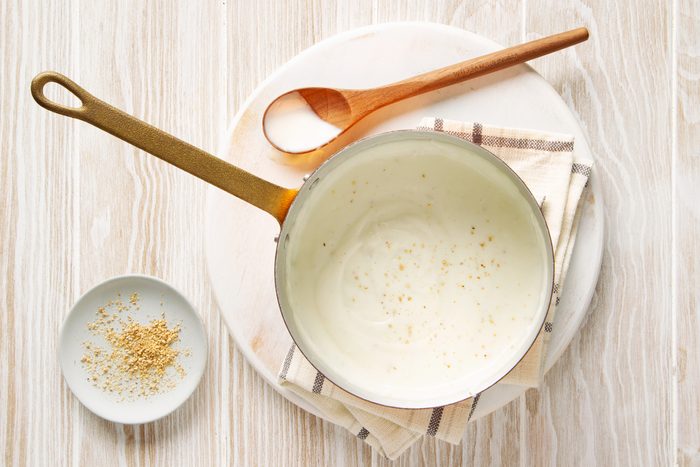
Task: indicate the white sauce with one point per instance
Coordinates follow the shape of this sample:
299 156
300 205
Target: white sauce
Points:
419 270
293 126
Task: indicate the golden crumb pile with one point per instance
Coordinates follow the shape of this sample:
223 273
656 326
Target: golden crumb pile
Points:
140 360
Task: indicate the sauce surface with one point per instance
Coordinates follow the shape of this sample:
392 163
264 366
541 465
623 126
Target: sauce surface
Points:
415 269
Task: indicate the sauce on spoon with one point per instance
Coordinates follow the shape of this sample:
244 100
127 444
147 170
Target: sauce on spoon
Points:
292 125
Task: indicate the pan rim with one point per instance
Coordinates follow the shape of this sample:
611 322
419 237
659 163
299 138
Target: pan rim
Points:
407 135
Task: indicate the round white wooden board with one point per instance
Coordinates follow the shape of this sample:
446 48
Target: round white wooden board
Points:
240 247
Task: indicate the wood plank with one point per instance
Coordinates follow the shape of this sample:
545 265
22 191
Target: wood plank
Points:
687 229
608 400
37 278
159 61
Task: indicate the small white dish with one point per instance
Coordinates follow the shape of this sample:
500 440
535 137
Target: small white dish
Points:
155 298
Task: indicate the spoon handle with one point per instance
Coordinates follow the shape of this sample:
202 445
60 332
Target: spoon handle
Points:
478 66
256 191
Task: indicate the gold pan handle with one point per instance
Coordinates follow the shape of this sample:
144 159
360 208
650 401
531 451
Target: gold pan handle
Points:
246 186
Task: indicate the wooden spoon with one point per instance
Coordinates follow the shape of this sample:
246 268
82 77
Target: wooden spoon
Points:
307 119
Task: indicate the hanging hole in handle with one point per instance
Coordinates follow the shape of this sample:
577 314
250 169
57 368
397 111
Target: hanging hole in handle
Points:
62 105
61 96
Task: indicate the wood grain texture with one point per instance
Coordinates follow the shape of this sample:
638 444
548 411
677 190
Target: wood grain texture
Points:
77 206
686 256
608 401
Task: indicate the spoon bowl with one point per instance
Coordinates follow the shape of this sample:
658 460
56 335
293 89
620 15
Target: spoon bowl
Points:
307 119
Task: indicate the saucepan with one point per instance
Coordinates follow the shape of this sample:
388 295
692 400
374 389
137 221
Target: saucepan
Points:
413 269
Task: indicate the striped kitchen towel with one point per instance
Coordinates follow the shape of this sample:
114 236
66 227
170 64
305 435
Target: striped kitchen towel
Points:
547 164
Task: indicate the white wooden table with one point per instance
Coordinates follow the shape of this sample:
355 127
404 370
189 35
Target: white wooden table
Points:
78 206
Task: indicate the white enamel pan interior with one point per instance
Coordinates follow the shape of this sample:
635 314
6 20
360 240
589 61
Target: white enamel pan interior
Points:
298 237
